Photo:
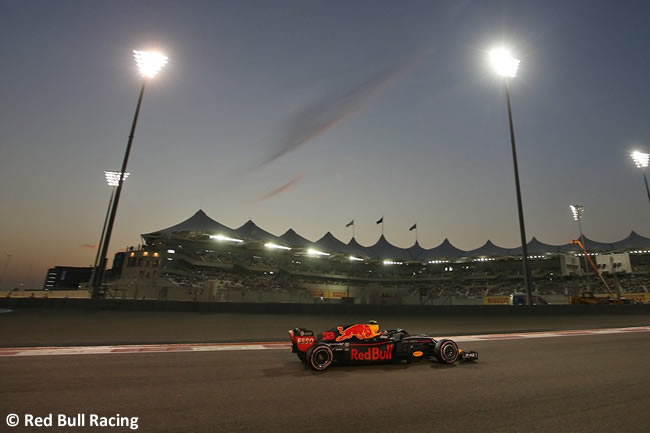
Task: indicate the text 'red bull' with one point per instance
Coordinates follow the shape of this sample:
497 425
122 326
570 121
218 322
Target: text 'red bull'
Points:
361 332
372 354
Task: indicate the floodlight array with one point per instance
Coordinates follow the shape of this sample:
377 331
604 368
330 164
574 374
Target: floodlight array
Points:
640 159
149 62
113 177
503 63
577 211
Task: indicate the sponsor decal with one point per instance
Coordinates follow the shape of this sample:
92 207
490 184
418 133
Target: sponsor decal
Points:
644 298
304 343
497 300
372 353
361 332
328 335
469 355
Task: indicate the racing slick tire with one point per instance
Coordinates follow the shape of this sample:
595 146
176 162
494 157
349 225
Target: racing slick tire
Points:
320 357
446 351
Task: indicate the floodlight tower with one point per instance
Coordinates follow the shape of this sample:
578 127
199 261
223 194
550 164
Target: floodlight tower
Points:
577 211
506 66
112 179
149 64
641 160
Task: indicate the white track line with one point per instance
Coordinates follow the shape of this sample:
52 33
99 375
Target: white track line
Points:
214 347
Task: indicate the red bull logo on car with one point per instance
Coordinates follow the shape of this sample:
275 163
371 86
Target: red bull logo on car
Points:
361 332
373 353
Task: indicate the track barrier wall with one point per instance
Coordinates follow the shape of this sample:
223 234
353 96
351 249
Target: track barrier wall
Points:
321 308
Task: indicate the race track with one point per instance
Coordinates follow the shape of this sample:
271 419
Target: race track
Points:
593 383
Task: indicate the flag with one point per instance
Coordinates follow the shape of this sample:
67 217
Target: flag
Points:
351 223
380 220
413 227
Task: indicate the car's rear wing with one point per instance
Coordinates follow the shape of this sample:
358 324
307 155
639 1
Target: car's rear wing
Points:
301 339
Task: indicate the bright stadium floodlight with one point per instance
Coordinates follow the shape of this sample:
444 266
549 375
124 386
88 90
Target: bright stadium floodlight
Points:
641 160
113 177
316 253
272 246
113 180
577 211
503 63
149 62
506 66
355 259
225 238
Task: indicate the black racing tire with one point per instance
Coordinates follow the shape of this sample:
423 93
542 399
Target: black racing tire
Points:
446 351
302 356
320 357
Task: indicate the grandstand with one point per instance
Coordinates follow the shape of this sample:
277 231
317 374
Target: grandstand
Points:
202 259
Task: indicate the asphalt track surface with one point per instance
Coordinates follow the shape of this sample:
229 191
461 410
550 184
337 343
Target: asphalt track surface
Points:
567 384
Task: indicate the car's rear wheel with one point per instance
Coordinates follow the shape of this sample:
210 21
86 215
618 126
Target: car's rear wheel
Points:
320 357
446 351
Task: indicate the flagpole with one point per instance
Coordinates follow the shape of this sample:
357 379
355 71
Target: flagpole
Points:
416 233
382 226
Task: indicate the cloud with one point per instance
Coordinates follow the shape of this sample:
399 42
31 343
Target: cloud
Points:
89 246
314 119
284 188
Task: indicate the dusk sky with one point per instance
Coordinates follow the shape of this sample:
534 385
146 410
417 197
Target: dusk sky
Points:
363 109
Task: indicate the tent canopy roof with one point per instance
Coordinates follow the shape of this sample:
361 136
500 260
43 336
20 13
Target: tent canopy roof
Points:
199 222
383 249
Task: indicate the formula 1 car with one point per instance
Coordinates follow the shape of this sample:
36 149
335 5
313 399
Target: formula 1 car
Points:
366 344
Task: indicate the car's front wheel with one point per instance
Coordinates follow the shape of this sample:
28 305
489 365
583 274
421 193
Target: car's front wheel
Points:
446 351
320 357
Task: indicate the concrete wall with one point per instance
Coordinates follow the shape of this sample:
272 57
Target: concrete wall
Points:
45 294
324 308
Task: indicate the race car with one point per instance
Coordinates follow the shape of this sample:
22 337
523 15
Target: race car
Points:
365 344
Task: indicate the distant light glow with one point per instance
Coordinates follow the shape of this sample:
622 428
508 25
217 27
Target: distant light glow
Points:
113 177
225 238
273 246
355 259
149 62
640 159
171 251
313 252
391 262
577 211
503 63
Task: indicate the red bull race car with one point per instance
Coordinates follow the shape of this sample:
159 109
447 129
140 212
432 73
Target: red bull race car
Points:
366 344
